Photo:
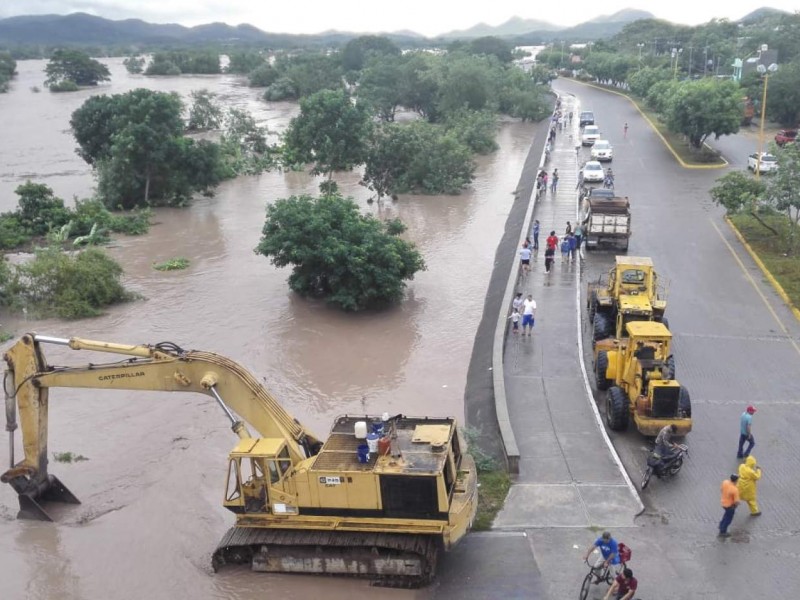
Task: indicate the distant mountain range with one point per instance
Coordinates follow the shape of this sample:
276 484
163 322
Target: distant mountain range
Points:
87 30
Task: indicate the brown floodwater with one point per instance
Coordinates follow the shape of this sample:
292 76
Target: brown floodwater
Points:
152 488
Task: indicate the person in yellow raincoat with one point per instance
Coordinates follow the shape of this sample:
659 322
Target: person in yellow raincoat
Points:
749 474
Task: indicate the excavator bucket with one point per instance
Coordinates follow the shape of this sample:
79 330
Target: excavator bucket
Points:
30 502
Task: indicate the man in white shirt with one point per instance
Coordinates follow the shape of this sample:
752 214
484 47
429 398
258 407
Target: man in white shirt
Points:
528 313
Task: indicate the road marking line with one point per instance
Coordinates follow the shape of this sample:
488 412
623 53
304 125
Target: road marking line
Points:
756 288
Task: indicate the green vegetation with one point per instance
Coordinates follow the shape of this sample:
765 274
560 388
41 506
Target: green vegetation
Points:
134 64
767 214
69 286
353 261
173 264
69 69
8 67
68 457
494 486
40 213
204 113
177 62
244 62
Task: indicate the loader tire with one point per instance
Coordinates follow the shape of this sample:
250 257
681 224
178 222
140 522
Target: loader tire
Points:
684 403
592 305
601 327
670 364
600 368
617 409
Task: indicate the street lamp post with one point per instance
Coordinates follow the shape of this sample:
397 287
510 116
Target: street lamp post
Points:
676 52
765 71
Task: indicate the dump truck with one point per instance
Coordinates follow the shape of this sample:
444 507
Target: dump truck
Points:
640 380
631 291
301 505
606 221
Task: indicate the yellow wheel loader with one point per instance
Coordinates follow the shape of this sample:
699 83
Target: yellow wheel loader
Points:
640 378
630 292
379 506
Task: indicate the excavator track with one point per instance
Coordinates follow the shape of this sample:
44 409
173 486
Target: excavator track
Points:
388 559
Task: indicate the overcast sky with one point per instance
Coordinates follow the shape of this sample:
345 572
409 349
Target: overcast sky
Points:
428 17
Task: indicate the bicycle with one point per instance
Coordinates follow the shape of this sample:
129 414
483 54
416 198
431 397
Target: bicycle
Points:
598 575
595 576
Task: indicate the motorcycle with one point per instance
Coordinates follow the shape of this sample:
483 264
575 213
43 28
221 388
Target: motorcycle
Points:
608 182
664 468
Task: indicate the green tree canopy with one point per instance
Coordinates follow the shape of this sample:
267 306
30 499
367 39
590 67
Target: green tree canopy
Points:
8 67
134 64
783 95
783 191
244 62
353 261
737 191
356 52
698 109
205 112
135 141
330 132
75 66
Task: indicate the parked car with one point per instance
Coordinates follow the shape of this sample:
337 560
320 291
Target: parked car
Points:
586 118
768 164
593 172
786 136
602 150
590 135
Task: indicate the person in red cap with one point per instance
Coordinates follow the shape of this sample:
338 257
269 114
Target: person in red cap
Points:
746 432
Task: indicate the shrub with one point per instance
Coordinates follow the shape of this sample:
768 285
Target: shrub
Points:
64 86
69 286
173 264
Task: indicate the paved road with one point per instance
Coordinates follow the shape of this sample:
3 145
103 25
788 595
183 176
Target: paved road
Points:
735 343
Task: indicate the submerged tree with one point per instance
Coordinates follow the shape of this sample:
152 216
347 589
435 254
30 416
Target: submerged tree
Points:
351 260
76 67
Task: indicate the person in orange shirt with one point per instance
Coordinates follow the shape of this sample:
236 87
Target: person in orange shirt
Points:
730 499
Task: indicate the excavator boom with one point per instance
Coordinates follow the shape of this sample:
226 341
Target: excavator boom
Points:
161 367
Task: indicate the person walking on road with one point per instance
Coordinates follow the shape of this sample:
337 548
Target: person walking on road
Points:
749 474
625 130
551 244
578 239
528 314
565 249
535 232
525 259
554 182
568 229
514 318
573 246
730 499
746 432
518 300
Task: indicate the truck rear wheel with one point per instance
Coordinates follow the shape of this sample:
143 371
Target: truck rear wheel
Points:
684 402
617 409
600 369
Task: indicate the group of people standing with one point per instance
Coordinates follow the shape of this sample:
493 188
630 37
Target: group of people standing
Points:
570 246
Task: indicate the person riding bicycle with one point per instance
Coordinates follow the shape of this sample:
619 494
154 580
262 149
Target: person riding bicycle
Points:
609 551
665 447
608 181
624 586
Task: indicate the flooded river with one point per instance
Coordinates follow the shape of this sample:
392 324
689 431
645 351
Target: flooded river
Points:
153 485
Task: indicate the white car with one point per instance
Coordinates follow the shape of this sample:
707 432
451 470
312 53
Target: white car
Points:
769 162
591 133
602 150
593 172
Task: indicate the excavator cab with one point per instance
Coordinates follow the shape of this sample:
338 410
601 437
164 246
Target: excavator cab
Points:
258 475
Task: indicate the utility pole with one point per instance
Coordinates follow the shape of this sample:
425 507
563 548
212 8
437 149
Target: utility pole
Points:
691 48
705 60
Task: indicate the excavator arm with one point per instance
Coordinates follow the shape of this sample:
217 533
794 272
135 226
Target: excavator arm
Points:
161 367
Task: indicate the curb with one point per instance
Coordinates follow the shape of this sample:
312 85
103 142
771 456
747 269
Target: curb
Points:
655 129
766 272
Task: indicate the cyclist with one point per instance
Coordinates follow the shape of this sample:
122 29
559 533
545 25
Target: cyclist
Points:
609 550
624 586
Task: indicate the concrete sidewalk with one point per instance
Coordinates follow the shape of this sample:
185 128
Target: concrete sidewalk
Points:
569 474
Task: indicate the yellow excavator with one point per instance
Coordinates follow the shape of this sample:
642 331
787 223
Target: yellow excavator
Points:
341 507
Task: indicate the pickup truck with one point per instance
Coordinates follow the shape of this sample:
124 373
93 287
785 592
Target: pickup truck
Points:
606 221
